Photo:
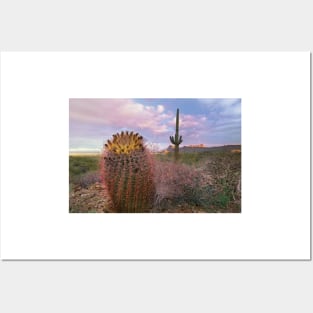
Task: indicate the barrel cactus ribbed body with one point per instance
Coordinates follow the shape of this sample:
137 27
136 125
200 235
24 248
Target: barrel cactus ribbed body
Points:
128 173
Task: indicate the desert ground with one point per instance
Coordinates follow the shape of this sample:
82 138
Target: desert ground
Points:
201 181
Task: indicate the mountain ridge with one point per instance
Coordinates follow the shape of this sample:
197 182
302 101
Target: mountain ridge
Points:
192 149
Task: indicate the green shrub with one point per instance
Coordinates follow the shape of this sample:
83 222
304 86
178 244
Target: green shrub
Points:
79 165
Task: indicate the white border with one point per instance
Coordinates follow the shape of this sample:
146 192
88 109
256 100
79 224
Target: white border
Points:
275 92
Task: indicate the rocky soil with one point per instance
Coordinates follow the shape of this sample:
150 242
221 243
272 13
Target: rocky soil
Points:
94 199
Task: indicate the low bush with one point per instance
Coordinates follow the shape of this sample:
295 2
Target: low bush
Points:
82 164
179 184
225 172
87 179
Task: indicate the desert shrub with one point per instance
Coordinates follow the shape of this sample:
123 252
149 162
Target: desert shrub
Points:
225 171
179 183
87 179
82 164
184 158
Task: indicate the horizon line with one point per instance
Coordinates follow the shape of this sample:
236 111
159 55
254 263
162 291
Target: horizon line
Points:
98 151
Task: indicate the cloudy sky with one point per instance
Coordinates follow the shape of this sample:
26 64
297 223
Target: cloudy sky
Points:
208 121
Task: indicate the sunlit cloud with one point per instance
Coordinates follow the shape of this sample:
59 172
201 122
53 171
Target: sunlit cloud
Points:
122 113
207 121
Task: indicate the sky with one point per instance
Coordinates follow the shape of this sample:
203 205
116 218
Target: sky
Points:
212 122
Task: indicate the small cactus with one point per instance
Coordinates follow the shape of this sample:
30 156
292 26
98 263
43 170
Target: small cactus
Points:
128 173
177 140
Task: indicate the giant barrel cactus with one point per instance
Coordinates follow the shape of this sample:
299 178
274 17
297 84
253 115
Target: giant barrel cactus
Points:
128 173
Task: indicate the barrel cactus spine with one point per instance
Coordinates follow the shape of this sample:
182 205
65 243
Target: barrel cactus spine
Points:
128 173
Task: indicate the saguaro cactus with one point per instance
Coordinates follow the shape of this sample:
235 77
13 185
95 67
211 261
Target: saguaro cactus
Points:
128 173
177 140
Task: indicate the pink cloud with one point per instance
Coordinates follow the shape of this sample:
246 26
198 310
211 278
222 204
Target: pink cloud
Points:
120 113
105 116
189 121
160 108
